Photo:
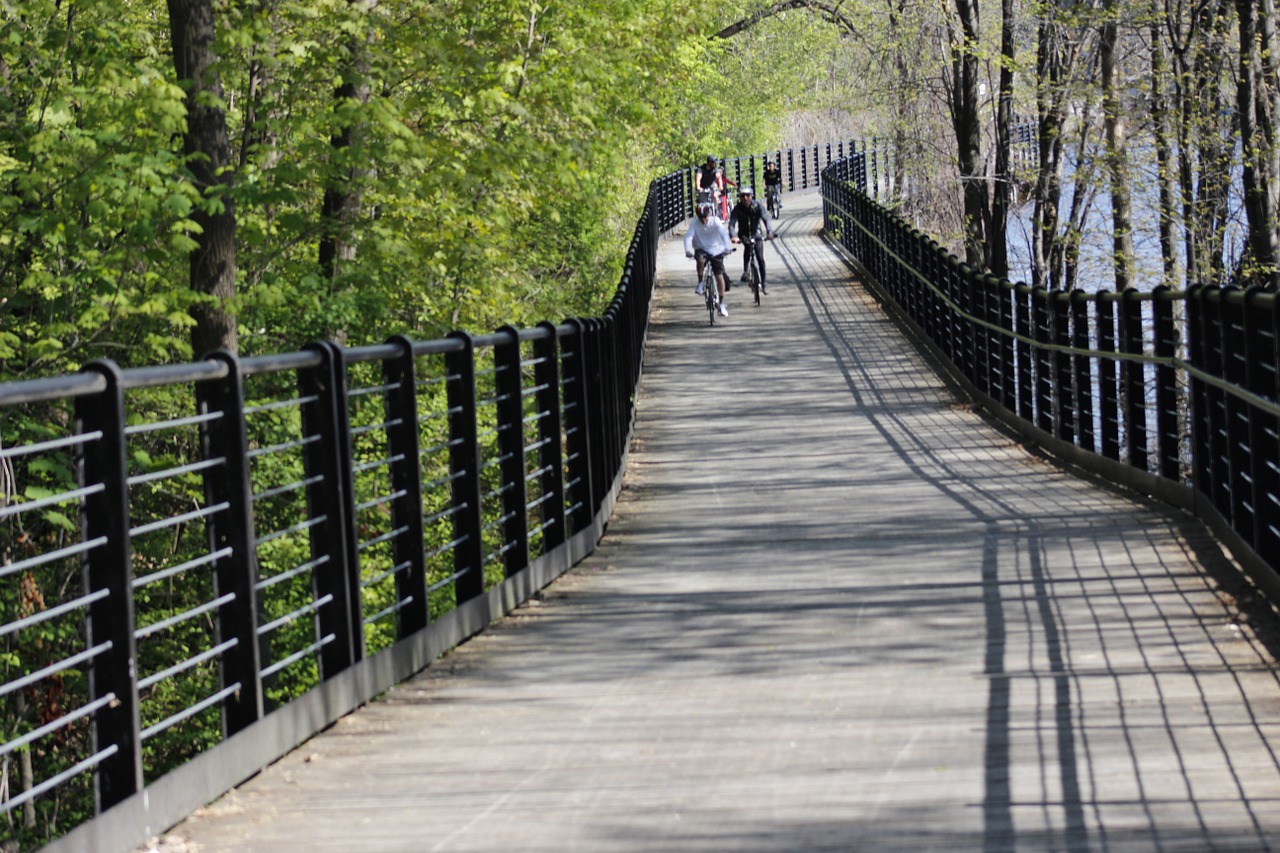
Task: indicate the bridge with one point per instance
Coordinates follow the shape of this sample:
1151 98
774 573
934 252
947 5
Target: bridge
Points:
834 609
843 601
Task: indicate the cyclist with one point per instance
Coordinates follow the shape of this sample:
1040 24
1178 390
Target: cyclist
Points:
708 240
747 217
772 178
711 181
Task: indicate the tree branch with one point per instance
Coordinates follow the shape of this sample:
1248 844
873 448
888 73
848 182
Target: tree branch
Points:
828 11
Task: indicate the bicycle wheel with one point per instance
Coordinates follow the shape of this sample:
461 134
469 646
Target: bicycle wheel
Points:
754 274
711 299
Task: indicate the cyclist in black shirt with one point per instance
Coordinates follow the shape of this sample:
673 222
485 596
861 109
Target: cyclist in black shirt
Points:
747 217
773 185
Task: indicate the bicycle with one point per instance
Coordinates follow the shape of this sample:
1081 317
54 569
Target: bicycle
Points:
709 290
773 198
753 267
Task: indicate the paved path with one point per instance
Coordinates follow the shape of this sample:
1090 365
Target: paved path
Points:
835 610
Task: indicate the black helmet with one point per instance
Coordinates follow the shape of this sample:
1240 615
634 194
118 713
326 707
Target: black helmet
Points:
705 208
711 159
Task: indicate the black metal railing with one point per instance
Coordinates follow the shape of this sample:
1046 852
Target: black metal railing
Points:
802 166
1172 393
201 565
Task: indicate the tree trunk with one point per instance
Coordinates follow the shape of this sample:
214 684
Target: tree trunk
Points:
1052 61
213 262
1166 169
1258 101
344 192
967 121
1004 174
1117 157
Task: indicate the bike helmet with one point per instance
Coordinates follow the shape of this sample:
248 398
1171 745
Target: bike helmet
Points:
705 208
711 159
746 191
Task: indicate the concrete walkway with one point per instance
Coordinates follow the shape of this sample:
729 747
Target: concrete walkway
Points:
835 610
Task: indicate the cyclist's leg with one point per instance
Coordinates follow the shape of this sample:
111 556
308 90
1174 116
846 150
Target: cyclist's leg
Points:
717 264
759 250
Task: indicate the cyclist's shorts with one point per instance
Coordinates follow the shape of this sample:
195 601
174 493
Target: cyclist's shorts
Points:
717 261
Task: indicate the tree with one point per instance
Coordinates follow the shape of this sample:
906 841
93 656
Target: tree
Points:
1258 107
212 261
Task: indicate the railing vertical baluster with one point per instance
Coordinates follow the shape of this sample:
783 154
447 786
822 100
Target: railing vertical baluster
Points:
1133 376
1237 448
332 542
401 405
1004 345
464 466
607 343
1168 442
1064 397
1259 347
1109 398
1026 372
105 514
546 376
510 411
578 428
1040 333
225 438
1083 370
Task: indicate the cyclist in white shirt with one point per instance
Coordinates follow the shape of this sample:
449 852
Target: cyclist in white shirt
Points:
708 240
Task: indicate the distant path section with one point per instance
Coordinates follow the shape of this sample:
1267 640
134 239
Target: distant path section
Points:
834 610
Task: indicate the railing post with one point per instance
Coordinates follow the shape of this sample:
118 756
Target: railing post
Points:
1133 376
104 514
232 530
1041 334
1168 435
1026 374
1237 448
1109 398
464 466
403 445
1083 365
597 405
1064 399
1197 399
546 376
325 458
578 430
510 411
791 170
606 341
1004 346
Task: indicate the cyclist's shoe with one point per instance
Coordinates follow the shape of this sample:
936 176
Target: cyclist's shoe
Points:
764 289
701 288
744 277
724 310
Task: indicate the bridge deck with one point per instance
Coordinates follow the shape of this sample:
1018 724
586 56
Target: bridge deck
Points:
835 610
